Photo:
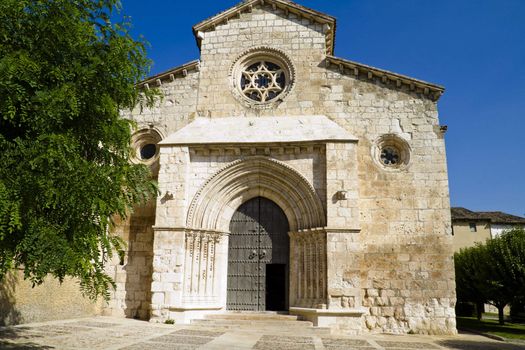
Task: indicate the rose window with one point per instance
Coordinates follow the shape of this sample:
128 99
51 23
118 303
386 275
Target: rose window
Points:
390 156
263 81
391 152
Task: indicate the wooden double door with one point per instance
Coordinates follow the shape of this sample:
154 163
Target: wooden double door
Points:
258 257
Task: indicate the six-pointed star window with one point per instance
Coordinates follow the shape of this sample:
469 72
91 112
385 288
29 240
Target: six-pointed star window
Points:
263 81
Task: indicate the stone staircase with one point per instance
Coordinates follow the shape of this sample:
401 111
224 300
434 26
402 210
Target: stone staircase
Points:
265 321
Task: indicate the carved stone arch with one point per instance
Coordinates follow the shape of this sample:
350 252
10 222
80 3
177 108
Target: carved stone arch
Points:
216 201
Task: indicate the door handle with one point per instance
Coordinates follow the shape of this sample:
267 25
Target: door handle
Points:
253 254
262 255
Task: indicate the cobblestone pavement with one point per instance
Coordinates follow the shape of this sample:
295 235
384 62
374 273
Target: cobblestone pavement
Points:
111 334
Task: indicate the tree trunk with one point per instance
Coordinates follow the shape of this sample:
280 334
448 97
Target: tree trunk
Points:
480 307
500 314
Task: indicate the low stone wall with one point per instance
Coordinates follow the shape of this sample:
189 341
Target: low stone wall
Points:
21 303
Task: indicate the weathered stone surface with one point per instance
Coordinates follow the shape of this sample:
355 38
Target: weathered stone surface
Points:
21 302
284 346
370 243
197 332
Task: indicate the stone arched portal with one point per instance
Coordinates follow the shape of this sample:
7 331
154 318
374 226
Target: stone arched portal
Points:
191 258
217 200
205 239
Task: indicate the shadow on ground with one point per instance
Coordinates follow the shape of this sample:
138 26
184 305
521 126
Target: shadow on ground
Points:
17 334
472 345
20 334
27 346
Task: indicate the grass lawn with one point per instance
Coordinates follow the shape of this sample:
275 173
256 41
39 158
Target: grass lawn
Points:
509 330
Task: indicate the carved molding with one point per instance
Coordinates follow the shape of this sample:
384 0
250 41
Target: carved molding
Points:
200 273
248 178
309 268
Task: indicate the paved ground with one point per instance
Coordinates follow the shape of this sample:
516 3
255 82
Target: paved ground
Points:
111 334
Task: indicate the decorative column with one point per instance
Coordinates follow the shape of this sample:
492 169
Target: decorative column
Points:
203 270
308 269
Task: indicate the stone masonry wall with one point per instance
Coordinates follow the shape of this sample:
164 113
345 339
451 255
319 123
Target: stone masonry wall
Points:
407 277
405 215
21 302
174 110
133 295
297 37
133 271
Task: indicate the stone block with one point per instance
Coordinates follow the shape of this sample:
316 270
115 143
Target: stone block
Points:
387 311
372 292
170 277
157 298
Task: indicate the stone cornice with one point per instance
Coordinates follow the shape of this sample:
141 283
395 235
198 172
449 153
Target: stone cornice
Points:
170 75
433 91
288 7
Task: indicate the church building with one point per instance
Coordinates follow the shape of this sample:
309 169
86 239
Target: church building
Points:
291 180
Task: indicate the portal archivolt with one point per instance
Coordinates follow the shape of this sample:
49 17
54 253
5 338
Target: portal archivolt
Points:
242 180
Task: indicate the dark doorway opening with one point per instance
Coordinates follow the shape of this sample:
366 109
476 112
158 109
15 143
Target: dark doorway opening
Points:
276 287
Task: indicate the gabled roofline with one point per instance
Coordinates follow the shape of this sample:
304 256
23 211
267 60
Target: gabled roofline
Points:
170 74
288 6
434 91
494 217
499 217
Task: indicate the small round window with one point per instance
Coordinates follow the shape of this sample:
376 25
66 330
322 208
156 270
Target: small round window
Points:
262 77
145 144
148 151
391 152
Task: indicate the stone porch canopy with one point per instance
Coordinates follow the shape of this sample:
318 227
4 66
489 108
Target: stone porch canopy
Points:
239 130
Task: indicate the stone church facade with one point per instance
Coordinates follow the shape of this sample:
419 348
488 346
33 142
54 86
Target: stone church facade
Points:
290 180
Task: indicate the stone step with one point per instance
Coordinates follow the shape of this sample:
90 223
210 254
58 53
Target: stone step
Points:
250 323
268 321
273 328
254 316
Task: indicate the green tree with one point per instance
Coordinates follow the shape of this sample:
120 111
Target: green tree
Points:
493 272
507 268
65 73
470 277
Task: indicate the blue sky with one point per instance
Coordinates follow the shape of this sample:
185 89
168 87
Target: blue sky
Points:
475 48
